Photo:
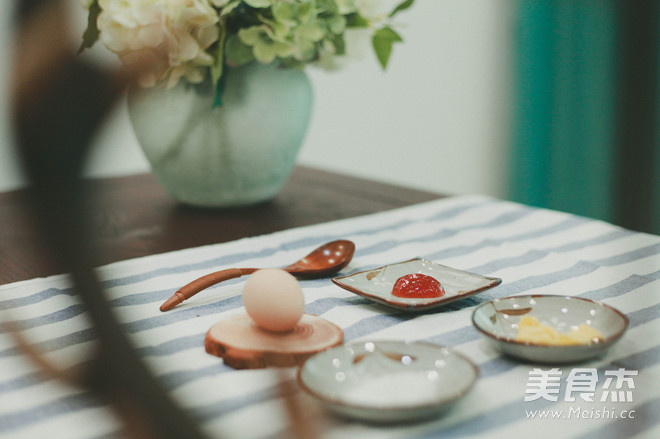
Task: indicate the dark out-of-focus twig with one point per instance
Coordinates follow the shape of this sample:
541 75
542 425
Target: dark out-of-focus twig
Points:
58 103
300 426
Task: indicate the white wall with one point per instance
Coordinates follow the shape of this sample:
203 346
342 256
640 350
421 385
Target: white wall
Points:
437 119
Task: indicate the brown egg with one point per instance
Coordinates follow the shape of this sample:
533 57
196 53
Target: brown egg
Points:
273 299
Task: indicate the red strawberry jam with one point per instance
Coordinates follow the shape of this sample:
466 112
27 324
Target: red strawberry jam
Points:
417 286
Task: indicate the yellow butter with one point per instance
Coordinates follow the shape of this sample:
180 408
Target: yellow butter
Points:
530 330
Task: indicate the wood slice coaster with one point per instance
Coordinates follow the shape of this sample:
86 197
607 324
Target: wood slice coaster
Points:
244 345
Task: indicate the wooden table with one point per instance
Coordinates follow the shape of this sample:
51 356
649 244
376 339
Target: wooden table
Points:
133 216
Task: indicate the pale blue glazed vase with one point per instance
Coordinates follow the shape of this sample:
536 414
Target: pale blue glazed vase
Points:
235 154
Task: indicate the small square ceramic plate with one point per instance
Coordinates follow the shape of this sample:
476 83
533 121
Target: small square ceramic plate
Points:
377 284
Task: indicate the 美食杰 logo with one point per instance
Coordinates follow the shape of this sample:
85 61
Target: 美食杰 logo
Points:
581 386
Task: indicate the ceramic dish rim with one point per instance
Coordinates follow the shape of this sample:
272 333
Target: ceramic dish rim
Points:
337 401
422 306
606 341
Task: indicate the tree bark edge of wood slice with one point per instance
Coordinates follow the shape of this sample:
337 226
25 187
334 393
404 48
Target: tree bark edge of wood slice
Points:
244 345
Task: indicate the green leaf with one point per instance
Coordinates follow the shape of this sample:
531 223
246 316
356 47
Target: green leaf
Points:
402 7
356 20
388 34
339 44
91 34
382 41
383 49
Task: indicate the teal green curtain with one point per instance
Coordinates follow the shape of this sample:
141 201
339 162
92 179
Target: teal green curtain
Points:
570 144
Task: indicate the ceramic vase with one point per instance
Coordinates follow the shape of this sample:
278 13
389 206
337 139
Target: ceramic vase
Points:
237 153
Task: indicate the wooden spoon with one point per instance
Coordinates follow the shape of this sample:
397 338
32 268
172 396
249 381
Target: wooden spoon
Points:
325 260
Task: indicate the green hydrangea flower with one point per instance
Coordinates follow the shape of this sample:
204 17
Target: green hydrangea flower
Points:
203 36
265 43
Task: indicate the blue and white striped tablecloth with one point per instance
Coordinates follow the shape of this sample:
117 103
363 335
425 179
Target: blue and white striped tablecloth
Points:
534 251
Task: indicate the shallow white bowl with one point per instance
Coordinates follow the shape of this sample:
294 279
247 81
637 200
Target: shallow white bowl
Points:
498 321
387 381
377 284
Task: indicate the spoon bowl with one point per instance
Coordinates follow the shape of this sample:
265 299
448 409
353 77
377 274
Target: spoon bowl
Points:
323 261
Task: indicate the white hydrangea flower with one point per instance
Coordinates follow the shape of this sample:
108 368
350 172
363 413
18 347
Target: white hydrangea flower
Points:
172 34
372 9
345 6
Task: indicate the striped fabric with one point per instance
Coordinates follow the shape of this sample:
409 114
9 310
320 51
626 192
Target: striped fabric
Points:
534 251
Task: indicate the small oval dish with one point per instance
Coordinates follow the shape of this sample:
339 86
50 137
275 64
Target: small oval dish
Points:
387 381
377 284
588 328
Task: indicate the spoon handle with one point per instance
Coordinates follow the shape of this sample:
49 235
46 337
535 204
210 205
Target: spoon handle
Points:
194 287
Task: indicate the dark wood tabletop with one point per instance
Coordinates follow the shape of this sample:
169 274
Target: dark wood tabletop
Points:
133 216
